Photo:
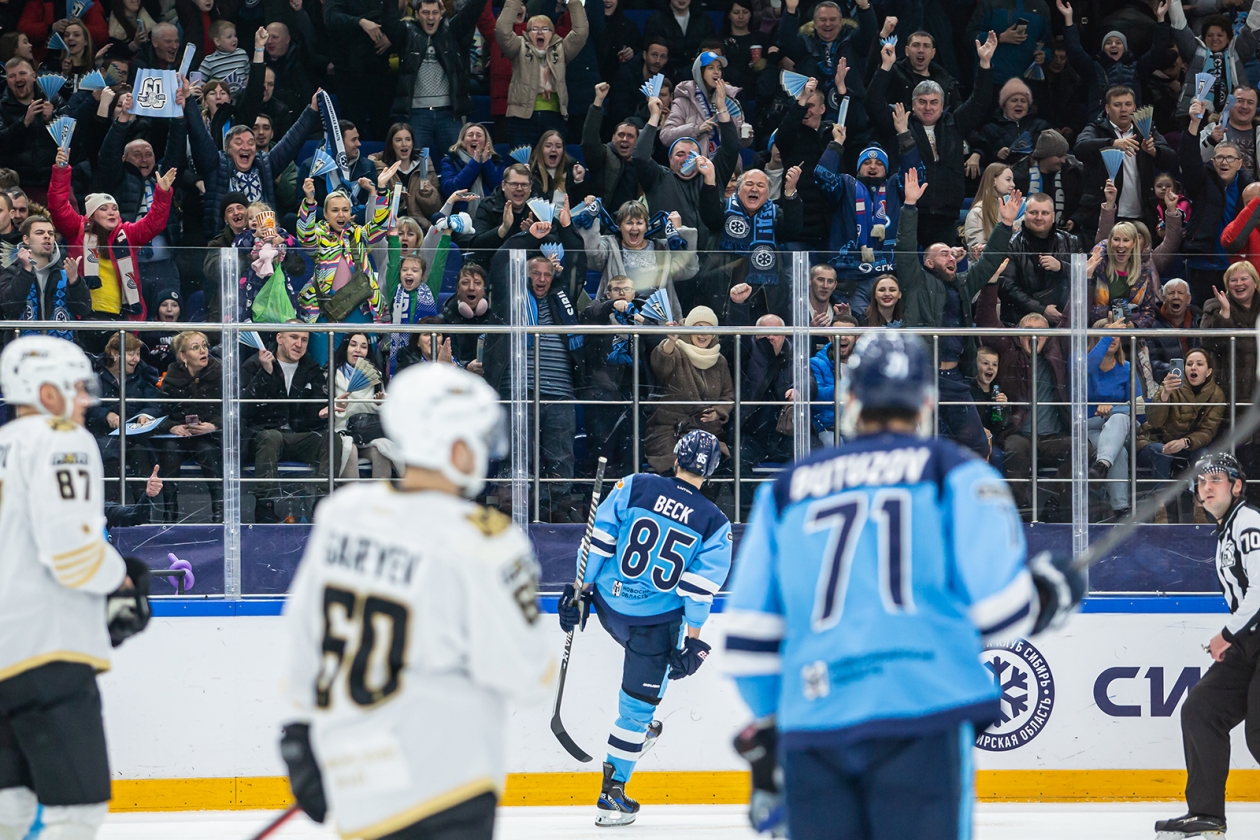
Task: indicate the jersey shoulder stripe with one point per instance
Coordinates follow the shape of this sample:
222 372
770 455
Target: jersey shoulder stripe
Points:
676 501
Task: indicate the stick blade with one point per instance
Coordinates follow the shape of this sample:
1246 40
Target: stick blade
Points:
570 746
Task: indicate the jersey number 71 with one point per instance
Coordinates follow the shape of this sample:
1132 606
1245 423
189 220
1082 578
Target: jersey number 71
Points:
845 517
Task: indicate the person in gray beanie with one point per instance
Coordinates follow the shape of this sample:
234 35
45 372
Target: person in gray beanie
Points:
1051 170
1114 65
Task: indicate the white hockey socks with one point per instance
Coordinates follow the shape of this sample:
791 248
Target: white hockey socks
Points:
18 807
72 822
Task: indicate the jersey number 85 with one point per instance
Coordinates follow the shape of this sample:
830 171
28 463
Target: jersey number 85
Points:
646 541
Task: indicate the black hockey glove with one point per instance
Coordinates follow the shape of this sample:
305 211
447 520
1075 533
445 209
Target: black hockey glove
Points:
685 662
127 607
1061 587
757 745
304 777
572 615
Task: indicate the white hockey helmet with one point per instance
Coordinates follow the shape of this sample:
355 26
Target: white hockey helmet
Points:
36 360
431 406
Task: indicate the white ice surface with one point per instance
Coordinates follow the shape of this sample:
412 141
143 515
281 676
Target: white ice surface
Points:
711 822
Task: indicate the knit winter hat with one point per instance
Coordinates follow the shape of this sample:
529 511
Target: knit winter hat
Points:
95 201
701 314
1116 33
1013 86
1050 143
232 198
876 153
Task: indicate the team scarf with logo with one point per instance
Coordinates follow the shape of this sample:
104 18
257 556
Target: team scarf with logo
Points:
120 253
1036 184
60 312
871 208
408 308
753 235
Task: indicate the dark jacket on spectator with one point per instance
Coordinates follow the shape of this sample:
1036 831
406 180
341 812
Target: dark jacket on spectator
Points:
807 53
1071 180
207 385
1025 285
1103 73
1206 192
619 32
624 98
923 292
608 380
293 77
1015 368
608 177
141 391
1000 132
1099 135
28 150
804 146
904 80
1163 350
947 185
464 345
123 181
15 289
486 224
216 169
666 191
460 175
276 407
683 46
451 43
1241 381
1185 415
342 17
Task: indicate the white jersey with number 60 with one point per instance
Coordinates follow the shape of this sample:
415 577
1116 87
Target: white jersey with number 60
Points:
413 619
55 564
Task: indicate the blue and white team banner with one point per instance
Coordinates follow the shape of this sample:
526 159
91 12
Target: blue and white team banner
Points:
154 94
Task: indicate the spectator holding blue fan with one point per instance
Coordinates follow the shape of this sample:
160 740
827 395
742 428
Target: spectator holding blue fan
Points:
1219 53
655 253
25 112
40 19
696 101
70 52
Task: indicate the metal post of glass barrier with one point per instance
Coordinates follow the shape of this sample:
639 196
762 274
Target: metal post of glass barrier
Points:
738 357
1233 391
634 407
230 351
800 354
122 418
1032 409
334 463
1080 404
519 317
536 443
1133 413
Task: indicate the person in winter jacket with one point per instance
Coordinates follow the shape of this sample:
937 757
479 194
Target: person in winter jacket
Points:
42 284
417 174
1109 419
1241 237
554 171
355 354
867 212
819 53
610 369
582 71
194 375
538 98
918 65
651 259
1181 420
1036 277
682 39
25 144
156 351
1218 52
1175 313
1020 26
802 138
937 136
41 18
1240 126
110 245
500 214
822 370
693 114
1161 257
112 366
1051 170
472 165
608 168
1234 306
1123 277
1114 65
1008 138
1215 190
469 305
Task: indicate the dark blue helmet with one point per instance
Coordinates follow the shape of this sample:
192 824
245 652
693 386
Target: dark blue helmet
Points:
891 369
698 453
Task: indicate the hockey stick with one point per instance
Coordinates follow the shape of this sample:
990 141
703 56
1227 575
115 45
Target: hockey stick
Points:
557 725
1244 427
275 824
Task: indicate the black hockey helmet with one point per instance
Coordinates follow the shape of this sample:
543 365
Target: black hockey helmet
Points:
1218 462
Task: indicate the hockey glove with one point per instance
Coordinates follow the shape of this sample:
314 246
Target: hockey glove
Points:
127 608
685 662
1060 585
572 615
304 776
757 745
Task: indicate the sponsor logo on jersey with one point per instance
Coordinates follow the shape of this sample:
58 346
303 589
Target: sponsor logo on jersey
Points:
1227 554
815 680
61 459
1022 676
862 469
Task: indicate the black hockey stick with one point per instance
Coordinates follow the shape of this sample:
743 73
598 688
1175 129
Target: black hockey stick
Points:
1243 428
557 725
275 824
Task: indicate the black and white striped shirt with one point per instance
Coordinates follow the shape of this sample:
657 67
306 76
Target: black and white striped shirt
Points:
1238 565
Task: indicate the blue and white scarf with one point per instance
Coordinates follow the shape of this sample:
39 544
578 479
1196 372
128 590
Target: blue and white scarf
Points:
753 236
60 311
871 209
408 308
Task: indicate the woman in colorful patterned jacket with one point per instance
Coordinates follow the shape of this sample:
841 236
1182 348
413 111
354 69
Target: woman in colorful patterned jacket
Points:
341 253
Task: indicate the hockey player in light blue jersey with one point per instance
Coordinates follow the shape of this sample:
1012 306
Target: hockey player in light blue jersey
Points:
659 552
868 578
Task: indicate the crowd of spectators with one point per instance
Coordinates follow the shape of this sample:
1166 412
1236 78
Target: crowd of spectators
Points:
376 162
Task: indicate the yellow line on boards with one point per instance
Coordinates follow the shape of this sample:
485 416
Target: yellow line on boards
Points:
691 787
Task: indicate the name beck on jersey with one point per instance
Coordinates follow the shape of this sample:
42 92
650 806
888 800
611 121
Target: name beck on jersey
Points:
384 561
673 508
861 469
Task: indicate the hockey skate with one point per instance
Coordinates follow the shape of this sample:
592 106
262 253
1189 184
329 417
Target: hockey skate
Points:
1190 827
614 807
649 740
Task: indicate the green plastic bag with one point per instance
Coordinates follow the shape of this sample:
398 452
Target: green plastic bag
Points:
272 304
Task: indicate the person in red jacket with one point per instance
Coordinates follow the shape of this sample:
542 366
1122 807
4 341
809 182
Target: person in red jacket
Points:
111 268
1241 237
41 18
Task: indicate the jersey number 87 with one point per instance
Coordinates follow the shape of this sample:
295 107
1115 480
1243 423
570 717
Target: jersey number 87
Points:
362 622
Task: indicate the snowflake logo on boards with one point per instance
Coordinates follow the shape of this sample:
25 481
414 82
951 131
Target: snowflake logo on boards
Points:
1026 685
736 227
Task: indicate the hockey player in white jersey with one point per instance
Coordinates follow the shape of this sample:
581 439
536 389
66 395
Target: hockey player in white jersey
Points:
1229 692
413 619
65 597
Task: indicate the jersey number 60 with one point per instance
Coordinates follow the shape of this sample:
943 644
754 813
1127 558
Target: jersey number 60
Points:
363 617
845 517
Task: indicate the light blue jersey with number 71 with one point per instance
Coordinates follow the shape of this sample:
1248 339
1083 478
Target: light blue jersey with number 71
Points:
866 579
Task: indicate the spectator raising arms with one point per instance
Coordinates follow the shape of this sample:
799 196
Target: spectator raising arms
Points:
110 245
538 98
